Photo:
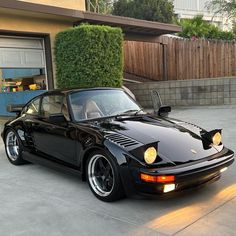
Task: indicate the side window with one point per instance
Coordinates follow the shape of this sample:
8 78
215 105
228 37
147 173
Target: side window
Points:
65 110
33 107
51 105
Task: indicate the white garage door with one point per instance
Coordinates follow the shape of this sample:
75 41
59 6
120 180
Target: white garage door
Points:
21 53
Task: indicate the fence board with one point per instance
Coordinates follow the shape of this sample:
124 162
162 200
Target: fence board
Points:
186 59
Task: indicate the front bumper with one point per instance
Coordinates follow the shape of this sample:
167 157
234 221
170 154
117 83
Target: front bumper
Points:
186 176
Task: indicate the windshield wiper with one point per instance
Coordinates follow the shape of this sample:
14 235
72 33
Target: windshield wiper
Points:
125 113
138 111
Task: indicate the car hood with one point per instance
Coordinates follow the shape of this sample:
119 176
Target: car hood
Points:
177 141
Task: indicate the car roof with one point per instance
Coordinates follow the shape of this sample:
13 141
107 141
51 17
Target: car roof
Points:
72 90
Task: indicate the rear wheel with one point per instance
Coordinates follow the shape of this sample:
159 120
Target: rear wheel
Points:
13 148
103 177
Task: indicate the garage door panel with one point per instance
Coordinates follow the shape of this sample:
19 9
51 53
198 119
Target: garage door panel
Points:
34 59
7 42
10 57
21 58
16 52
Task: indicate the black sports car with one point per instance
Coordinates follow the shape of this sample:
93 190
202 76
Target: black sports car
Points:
104 135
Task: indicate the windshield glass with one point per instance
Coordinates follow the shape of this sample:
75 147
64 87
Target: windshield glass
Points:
101 103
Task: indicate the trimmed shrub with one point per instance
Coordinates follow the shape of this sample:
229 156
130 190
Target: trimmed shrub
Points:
89 56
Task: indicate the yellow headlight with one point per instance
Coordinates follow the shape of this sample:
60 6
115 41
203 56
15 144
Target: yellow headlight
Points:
150 155
216 139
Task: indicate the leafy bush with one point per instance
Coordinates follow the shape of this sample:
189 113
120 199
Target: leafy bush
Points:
89 56
226 35
234 27
199 28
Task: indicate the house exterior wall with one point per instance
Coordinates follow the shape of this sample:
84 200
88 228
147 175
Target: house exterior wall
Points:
71 4
191 8
30 22
191 5
33 24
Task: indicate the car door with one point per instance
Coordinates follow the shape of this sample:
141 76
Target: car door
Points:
54 139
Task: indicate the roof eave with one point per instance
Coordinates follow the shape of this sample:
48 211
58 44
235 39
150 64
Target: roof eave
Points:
124 21
134 29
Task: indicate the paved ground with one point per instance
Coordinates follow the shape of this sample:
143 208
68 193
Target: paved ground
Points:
39 201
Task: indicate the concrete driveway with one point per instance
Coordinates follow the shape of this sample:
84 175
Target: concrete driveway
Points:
39 201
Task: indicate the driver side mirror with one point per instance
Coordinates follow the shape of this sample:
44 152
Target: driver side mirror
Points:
164 110
57 118
158 108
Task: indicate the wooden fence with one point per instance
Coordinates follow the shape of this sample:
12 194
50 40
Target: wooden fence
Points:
180 59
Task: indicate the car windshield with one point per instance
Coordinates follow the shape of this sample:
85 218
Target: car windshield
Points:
94 104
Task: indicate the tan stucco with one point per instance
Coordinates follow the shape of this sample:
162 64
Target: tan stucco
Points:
71 4
14 21
32 24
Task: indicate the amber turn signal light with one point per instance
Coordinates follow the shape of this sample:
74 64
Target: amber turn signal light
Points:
166 179
157 179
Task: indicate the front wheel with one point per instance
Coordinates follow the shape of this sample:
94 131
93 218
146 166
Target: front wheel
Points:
13 148
103 177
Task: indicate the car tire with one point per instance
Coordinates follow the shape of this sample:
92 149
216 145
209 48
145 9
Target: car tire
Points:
13 147
103 177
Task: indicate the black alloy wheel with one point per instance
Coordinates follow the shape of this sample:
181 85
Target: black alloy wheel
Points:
13 148
103 177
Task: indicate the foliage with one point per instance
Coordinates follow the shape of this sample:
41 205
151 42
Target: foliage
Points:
199 28
227 7
89 56
234 27
152 10
99 6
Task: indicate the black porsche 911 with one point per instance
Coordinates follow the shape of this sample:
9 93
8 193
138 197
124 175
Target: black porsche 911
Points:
105 136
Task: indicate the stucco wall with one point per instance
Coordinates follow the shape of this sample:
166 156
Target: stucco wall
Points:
71 4
219 91
32 24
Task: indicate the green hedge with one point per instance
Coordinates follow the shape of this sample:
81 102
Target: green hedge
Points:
89 56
